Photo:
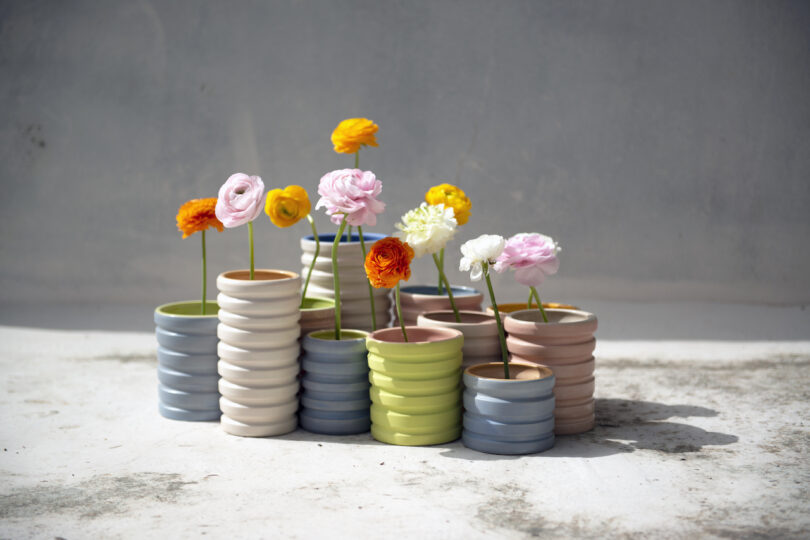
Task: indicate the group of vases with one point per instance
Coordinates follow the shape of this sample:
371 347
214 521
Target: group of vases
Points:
263 363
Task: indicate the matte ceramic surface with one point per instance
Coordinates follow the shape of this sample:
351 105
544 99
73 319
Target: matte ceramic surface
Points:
481 342
335 381
565 344
415 385
508 448
418 299
355 306
508 416
258 334
187 359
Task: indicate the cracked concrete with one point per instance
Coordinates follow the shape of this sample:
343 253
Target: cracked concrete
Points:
694 439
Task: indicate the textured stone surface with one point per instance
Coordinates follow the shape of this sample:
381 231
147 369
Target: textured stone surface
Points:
694 438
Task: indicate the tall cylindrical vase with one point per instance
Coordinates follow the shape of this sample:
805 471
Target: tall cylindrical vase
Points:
354 295
334 394
565 344
258 350
415 385
418 299
187 361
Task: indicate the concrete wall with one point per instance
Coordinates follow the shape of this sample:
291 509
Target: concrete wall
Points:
666 145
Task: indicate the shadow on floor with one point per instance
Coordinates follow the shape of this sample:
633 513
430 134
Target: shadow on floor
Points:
624 426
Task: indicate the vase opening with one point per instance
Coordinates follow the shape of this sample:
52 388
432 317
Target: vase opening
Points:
260 275
416 334
517 371
330 238
432 290
315 302
345 335
188 309
559 316
467 317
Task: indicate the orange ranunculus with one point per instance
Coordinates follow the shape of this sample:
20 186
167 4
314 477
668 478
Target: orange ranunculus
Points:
286 206
197 215
452 197
388 262
353 133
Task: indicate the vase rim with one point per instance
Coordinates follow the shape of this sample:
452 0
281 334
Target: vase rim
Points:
357 334
528 316
163 308
540 372
394 335
430 291
259 274
355 238
447 316
320 299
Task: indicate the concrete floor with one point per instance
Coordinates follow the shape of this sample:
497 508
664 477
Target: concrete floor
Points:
694 439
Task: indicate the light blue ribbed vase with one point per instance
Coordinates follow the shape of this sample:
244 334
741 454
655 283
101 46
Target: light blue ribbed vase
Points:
335 386
508 416
187 361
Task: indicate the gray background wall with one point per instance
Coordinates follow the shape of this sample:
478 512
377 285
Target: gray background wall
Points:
666 145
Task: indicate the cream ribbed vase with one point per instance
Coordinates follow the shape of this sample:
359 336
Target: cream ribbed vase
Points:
258 350
355 305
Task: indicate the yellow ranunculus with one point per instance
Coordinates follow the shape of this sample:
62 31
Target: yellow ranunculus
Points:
451 197
286 206
353 133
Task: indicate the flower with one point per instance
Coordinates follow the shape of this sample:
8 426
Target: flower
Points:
287 206
352 133
388 261
240 200
427 229
197 215
351 193
484 249
533 256
452 197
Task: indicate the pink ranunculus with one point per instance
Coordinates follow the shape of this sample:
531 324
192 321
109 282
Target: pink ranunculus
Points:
533 256
351 193
240 200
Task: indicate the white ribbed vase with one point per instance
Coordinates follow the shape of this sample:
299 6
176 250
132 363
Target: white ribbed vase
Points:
355 305
258 350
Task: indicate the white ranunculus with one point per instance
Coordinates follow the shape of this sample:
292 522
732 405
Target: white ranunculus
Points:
427 229
484 249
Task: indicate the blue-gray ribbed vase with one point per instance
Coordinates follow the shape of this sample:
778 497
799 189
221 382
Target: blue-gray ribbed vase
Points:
508 416
187 361
335 387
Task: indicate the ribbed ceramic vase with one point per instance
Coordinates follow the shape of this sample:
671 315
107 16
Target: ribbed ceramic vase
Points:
415 386
334 394
508 416
317 314
355 305
481 342
258 350
187 361
565 344
418 299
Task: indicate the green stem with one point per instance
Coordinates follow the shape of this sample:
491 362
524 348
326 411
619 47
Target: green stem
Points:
250 236
349 234
501 335
531 297
357 159
370 288
539 304
443 278
203 276
441 263
337 278
314 258
399 313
